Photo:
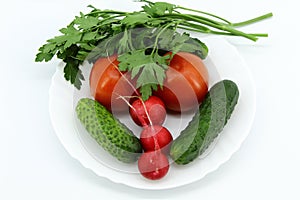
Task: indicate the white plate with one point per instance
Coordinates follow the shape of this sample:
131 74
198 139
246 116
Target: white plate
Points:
223 62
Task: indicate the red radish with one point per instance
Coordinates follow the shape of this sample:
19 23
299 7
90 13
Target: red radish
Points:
152 108
156 137
153 165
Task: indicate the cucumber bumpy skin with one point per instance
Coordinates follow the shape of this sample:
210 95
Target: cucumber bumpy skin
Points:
108 131
207 123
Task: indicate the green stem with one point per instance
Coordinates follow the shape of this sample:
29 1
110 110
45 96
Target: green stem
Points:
205 13
251 21
108 12
196 26
193 29
259 34
108 18
222 27
149 2
157 37
203 29
205 18
130 40
208 31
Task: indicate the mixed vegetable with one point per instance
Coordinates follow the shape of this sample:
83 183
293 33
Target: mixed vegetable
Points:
146 62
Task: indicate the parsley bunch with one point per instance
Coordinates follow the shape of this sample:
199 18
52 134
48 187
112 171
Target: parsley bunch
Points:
141 39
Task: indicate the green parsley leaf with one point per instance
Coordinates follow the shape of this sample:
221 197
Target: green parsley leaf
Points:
195 46
124 42
170 40
146 90
73 39
58 40
40 57
82 55
135 19
86 22
72 73
159 8
87 46
89 36
106 47
176 42
150 70
48 47
69 30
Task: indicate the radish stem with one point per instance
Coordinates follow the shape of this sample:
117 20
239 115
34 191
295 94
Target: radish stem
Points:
126 79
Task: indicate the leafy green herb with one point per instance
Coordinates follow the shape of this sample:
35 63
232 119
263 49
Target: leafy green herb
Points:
150 70
140 39
158 9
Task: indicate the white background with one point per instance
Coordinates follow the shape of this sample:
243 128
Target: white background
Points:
34 165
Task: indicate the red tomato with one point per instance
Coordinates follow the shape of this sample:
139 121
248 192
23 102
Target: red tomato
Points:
107 83
153 165
186 83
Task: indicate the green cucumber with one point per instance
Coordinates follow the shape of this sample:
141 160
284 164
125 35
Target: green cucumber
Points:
109 132
207 123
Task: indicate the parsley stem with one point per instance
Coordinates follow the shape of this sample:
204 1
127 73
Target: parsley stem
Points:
193 29
208 31
157 37
251 21
131 47
104 21
259 34
149 2
108 12
206 13
222 27
202 28
205 31
206 19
